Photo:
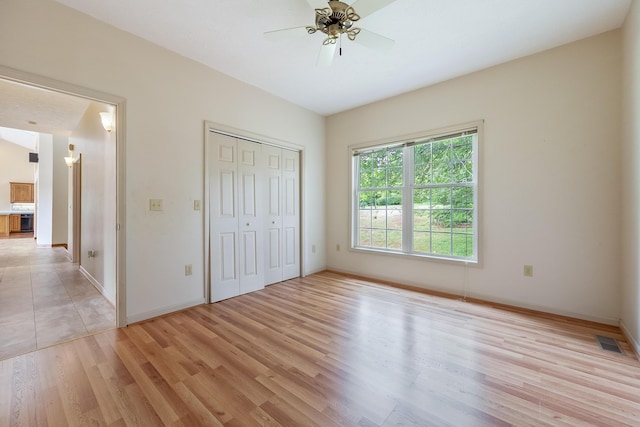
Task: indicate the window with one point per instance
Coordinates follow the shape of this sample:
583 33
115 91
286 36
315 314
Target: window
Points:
418 197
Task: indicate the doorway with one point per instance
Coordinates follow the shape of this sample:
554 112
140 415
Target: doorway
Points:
113 249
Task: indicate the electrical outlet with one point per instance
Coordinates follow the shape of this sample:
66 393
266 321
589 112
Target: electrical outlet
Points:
196 205
528 270
188 270
338 247
155 204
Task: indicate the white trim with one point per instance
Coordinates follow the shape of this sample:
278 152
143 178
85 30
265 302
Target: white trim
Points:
110 297
632 340
318 270
42 82
422 135
162 311
478 126
250 136
416 256
487 298
206 261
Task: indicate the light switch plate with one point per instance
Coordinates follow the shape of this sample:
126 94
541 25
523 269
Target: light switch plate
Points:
155 204
196 205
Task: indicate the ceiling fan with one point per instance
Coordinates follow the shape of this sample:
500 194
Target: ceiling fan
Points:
336 18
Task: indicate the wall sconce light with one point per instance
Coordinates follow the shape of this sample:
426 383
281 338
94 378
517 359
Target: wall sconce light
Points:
69 160
107 121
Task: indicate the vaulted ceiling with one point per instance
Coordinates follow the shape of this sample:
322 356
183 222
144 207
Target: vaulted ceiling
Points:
435 40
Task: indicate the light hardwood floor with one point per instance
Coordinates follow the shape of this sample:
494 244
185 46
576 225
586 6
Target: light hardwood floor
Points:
44 299
330 350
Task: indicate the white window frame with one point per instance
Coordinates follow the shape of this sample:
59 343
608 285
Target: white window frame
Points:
408 228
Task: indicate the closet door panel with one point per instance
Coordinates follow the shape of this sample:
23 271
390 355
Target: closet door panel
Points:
227 257
290 253
249 259
291 214
250 219
272 160
223 218
226 203
273 253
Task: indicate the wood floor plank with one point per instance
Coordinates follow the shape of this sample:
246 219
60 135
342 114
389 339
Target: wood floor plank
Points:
331 350
201 414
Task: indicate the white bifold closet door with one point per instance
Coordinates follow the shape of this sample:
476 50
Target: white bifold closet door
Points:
282 219
291 214
254 216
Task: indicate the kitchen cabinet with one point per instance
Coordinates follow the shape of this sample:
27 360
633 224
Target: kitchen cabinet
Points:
21 192
14 223
4 225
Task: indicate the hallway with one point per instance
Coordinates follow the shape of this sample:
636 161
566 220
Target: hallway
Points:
44 299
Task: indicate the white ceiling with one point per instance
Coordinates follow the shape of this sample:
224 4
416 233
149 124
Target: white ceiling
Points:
38 110
24 138
436 40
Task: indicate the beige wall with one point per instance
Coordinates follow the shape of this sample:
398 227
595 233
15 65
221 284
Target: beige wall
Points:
14 167
168 99
98 191
60 189
550 168
51 190
631 176
44 191
550 179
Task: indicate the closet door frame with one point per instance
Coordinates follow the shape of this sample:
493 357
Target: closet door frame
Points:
212 127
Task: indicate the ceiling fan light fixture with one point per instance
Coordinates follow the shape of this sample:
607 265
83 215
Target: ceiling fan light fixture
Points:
339 19
330 40
335 20
352 33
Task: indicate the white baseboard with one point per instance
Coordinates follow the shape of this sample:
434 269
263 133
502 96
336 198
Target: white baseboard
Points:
490 298
632 340
108 295
162 311
314 271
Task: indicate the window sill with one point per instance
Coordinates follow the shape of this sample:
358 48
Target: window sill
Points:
425 257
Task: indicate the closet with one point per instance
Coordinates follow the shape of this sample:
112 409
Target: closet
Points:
254 215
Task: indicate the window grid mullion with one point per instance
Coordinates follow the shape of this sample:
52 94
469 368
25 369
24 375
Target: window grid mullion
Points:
430 220
355 202
408 171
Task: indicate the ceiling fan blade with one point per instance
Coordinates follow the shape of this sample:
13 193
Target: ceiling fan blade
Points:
367 7
318 4
286 34
327 52
374 41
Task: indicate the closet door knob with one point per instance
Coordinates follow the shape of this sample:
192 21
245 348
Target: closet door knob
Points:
248 224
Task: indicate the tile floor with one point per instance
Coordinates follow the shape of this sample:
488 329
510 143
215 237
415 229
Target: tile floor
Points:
44 299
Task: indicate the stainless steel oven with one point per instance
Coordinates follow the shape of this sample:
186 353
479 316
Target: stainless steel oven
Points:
26 223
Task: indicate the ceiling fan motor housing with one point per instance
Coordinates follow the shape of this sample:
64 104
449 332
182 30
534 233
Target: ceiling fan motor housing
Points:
337 19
